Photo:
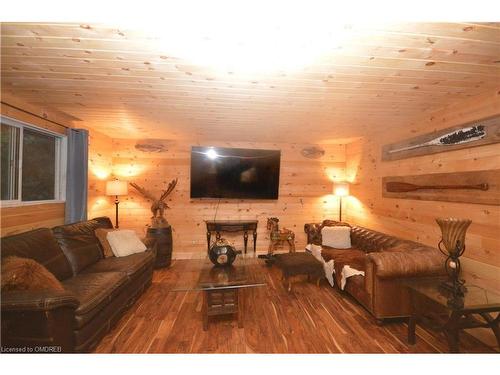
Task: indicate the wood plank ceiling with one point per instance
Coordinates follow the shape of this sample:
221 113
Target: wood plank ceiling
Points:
133 84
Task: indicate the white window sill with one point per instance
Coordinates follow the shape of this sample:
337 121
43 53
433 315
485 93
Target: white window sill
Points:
5 204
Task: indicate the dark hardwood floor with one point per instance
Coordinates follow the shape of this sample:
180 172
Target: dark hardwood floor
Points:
310 319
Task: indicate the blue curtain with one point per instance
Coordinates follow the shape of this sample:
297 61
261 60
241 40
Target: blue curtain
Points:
77 175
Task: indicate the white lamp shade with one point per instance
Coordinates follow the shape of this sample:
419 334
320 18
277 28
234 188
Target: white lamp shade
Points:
116 187
341 189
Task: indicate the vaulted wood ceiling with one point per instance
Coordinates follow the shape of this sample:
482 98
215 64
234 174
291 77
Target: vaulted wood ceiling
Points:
131 84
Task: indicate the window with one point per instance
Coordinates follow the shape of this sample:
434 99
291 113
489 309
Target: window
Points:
33 163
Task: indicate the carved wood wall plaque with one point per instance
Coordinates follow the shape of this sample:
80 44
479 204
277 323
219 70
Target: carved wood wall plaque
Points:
480 187
153 145
313 152
472 134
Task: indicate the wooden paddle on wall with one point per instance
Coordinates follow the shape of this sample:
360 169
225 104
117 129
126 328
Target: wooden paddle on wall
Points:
404 187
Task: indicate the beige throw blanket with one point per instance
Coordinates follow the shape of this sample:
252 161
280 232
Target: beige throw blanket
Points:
347 271
315 250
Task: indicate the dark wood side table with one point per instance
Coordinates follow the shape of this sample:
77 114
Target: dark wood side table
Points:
163 237
441 310
244 226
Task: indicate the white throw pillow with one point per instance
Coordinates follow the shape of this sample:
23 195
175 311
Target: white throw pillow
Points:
338 237
125 242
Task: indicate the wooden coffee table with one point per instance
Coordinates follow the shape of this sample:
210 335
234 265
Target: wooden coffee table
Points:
223 288
441 310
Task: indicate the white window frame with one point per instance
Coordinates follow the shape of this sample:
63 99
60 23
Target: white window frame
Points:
60 159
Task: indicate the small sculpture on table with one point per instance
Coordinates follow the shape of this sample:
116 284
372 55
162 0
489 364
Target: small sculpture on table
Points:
278 237
453 240
222 253
159 206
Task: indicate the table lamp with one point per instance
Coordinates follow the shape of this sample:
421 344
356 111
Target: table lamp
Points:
453 232
116 188
340 189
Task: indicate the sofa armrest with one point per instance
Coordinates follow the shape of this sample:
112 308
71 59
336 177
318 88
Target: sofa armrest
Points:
313 231
37 300
422 262
151 244
41 320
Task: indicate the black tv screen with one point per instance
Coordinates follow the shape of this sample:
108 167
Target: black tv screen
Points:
218 172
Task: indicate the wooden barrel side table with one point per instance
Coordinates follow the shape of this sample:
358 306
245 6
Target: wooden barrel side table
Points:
163 237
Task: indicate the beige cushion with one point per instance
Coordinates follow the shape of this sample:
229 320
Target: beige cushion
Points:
102 236
338 237
125 242
27 274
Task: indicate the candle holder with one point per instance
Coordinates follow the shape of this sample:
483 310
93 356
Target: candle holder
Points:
453 240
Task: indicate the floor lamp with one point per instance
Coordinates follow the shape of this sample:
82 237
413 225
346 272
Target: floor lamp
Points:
340 189
116 188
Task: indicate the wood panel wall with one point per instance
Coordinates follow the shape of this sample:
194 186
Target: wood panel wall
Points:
415 220
305 192
100 170
27 217
20 219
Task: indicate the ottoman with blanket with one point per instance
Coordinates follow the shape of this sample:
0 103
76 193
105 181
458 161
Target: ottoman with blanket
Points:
373 268
301 263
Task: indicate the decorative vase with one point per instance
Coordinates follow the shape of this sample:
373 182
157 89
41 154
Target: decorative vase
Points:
453 240
221 253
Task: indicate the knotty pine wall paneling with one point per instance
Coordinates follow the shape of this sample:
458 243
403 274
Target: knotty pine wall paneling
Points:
305 192
415 219
100 171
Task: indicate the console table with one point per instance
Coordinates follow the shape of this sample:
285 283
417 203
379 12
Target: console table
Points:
244 226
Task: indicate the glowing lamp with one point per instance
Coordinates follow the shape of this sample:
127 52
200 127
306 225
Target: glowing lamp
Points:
340 189
116 188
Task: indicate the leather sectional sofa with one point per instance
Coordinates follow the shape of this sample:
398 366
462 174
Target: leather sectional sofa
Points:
97 291
386 261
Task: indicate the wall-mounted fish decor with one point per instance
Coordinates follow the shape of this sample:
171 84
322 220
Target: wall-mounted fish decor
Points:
472 134
313 152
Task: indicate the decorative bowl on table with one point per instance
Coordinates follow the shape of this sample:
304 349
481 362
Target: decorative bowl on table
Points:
221 253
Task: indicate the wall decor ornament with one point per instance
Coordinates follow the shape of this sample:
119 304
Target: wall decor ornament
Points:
471 134
478 187
153 145
313 152
159 206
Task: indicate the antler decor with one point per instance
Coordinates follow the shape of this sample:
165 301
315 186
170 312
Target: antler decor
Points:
159 206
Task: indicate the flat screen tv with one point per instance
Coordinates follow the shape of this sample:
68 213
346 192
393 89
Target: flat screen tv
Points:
218 172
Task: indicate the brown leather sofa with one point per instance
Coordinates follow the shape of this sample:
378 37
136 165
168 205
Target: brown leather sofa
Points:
97 290
386 260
